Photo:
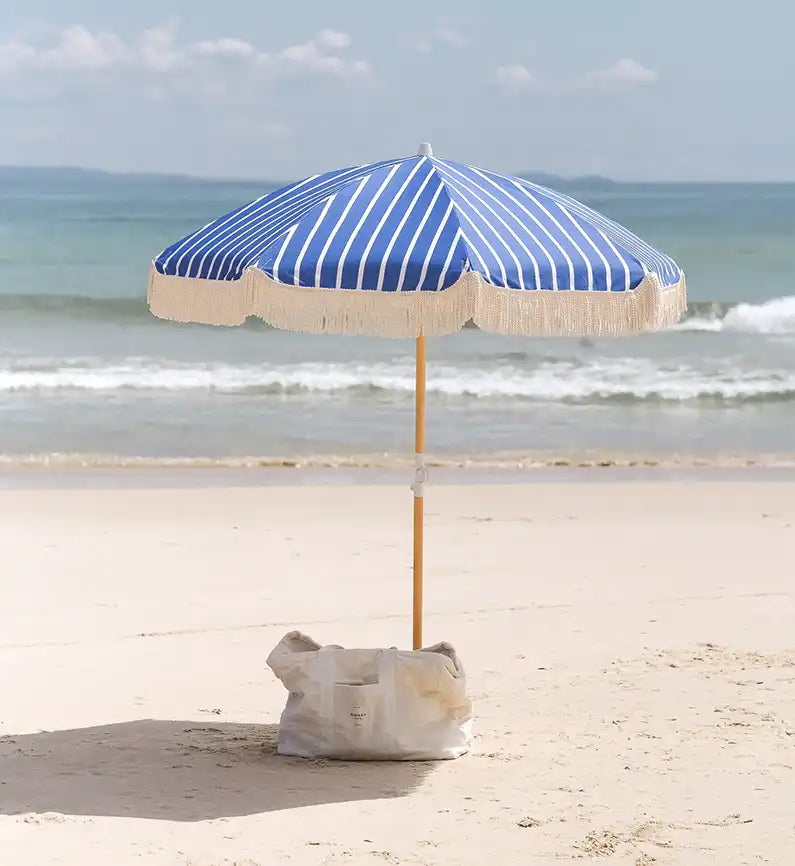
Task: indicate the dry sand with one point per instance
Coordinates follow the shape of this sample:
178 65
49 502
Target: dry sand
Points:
630 648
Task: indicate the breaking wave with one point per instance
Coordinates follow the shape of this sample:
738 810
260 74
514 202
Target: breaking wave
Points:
623 380
776 316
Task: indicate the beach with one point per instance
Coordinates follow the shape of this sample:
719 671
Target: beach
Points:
262 289
627 637
608 546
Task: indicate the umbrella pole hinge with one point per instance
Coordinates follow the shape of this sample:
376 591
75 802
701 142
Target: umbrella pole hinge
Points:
420 476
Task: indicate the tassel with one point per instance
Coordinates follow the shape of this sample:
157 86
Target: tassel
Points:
529 312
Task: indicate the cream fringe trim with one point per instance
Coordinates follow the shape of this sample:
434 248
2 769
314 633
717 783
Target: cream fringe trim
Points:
539 313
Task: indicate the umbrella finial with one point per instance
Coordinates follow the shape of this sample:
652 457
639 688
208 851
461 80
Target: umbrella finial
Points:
425 149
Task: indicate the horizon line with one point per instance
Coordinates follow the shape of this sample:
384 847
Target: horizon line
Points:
212 178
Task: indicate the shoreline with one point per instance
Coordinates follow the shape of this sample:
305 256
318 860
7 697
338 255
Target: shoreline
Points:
219 474
505 460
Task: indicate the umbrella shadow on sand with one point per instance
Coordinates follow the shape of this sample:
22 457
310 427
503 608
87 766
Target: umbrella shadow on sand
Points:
180 771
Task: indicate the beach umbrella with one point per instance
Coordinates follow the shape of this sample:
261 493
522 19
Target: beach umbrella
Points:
415 247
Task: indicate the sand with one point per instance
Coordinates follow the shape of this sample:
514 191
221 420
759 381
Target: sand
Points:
630 647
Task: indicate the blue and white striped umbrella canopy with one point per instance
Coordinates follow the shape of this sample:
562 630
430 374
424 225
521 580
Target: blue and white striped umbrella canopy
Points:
414 246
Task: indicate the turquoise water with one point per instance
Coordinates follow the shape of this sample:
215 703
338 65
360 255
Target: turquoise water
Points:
85 370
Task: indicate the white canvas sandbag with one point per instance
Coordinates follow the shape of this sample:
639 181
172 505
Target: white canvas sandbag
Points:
371 704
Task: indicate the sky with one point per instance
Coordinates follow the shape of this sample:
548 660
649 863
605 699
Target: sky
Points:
682 90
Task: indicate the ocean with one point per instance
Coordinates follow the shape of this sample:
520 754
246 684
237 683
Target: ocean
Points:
87 375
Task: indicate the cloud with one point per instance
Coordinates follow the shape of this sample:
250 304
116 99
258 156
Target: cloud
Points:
166 64
515 77
624 73
77 49
444 32
15 55
334 39
227 47
81 49
157 49
316 55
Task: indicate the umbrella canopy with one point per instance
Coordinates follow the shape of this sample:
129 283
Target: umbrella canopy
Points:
418 246
415 247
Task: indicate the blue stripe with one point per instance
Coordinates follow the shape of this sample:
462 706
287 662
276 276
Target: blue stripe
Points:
418 224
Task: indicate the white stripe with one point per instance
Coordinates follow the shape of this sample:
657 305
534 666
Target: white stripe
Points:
597 220
552 264
619 256
432 245
641 249
312 232
636 246
520 270
195 235
417 233
471 248
576 224
355 232
186 243
608 270
638 249
446 267
480 234
278 260
552 237
336 228
571 240
394 237
234 251
536 270
252 238
246 238
241 236
589 214
189 242
240 217
249 233
384 217
462 191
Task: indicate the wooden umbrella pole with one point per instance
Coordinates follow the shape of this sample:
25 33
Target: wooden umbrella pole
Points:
419 482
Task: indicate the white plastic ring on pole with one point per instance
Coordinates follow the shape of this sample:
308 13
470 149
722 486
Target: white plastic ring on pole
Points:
420 476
